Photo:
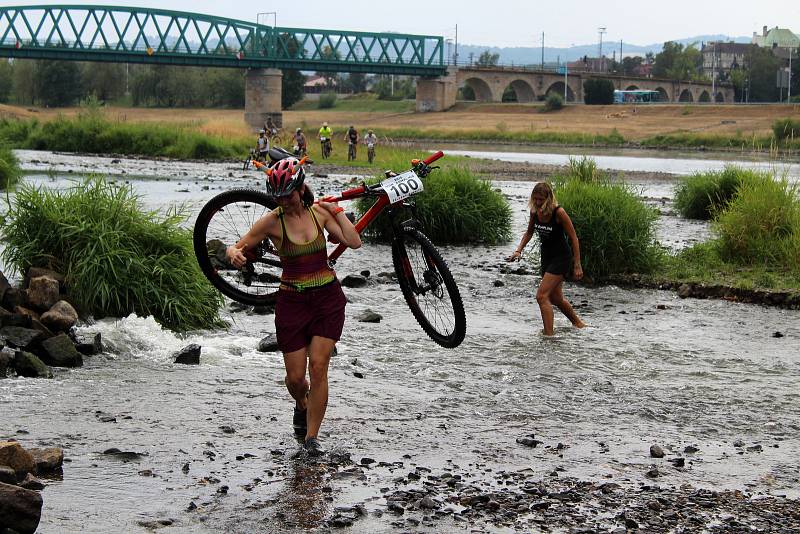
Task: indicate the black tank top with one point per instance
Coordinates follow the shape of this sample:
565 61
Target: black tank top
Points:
551 235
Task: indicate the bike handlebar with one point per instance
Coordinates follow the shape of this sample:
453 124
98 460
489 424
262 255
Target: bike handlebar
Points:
433 158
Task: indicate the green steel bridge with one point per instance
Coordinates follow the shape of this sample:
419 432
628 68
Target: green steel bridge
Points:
140 35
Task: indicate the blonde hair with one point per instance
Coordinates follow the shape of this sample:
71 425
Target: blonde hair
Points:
550 202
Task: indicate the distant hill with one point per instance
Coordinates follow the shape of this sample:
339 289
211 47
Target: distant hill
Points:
533 55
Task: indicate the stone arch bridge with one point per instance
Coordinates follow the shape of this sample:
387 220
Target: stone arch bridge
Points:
489 84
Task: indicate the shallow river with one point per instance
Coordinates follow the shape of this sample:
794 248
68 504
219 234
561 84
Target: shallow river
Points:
650 368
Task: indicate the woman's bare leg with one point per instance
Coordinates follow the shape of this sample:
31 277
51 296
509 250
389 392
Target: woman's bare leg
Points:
557 298
296 383
546 286
319 357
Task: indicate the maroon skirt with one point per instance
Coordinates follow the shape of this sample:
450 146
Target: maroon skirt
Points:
301 315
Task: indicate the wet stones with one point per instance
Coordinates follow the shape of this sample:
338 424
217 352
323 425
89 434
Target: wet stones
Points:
268 343
60 317
354 281
59 351
656 451
20 508
369 316
188 355
29 365
12 455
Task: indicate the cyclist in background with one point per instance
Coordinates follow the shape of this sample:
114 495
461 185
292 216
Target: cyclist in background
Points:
326 139
352 141
262 146
301 148
370 140
270 127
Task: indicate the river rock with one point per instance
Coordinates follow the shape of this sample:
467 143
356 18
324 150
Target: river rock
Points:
7 475
14 456
268 343
20 509
43 292
22 310
684 291
4 285
6 361
21 338
13 319
656 451
354 280
36 272
14 297
369 316
48 460
88 344
61 317
188 355
29 365
31 483
59 351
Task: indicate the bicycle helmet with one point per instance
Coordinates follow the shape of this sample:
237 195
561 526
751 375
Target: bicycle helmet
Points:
261 132
285 176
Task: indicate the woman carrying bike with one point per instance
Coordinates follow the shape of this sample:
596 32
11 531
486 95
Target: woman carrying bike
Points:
553 225
309 314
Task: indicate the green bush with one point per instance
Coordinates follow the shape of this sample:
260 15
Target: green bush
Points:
117 258
553 102
598 91
9 167
704 194
615 229
326 100
786 129
762 224
456 207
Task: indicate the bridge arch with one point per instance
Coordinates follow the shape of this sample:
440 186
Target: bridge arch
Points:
663 95
686 96
704 97
558 88
522 92
481 89
720 98
632 88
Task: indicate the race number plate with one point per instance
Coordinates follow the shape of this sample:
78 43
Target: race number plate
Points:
402 186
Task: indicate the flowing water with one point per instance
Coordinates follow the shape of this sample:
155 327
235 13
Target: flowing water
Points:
650 368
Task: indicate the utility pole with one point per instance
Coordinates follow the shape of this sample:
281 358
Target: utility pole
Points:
542 50
620 57
789 94
455 54
601 31
713 71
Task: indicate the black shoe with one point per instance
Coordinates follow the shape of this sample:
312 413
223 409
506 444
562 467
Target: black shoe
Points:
313 447
299 421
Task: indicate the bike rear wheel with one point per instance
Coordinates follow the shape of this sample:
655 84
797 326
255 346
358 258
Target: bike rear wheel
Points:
222 222
429 288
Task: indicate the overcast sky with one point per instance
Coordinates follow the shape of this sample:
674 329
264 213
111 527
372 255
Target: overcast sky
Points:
509 22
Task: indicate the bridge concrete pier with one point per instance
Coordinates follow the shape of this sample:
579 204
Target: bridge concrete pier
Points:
262 97
439 93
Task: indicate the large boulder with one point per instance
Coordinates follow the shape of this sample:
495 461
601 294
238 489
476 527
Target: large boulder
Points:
14 297
36 272
13 319
21 338
7 476
29 365
48 460
43 292
188 355
59 351
14 456
20 509
61 317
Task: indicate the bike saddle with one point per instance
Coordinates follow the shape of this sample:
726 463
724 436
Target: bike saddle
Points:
277 153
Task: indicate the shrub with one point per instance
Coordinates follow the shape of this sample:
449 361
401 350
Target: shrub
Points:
597 91
553 102
456 207
786 129
326 100
762 224
704 194
117 258
9 167
615 229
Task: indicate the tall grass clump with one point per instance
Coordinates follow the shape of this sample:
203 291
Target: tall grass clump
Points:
456 207
616 230
762 224
9 167
786 129
553 102
326 100
704 194
117 258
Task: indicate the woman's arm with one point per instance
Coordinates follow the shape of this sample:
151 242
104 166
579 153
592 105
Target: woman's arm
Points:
566 222
337 224
263 227
526 237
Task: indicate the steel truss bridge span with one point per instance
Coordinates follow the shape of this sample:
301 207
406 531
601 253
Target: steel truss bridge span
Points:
140 35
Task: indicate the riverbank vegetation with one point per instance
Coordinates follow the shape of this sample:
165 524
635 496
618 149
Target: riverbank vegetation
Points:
704 194
615 228
9 167
456 207
117 257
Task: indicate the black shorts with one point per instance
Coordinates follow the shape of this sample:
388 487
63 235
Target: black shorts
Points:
301 315
561 266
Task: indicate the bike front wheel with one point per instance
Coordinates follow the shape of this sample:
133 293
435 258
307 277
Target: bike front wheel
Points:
221 223
429 288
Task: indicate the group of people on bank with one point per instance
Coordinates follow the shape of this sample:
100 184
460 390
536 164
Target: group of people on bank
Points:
325 134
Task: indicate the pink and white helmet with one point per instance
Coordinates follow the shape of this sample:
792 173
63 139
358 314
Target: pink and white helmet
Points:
285 176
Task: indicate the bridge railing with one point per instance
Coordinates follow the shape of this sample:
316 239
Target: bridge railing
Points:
112 33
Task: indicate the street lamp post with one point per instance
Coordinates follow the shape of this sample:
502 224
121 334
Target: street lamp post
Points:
601 31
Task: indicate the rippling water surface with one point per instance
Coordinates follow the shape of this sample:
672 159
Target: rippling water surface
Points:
650 368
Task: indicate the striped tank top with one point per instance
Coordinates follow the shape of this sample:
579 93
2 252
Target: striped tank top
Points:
305 265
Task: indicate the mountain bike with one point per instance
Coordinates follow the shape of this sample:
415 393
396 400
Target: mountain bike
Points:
351 151
326 147
424 277
370 152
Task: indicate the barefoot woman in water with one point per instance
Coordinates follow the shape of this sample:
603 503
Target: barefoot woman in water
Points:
553 225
